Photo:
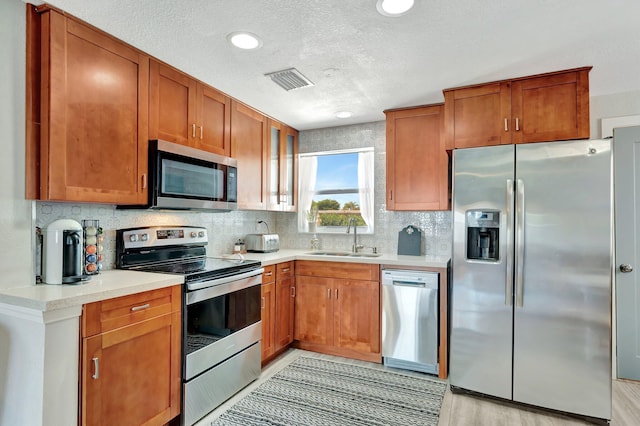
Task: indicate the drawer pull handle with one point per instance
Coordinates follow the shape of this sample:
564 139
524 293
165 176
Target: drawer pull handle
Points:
262 303
201 131
293 292
328 293
268 274
193 130
96 368
336 293
517 124
286 269
141 307
506 126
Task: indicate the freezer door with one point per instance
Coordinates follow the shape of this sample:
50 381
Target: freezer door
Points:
481 306
562 323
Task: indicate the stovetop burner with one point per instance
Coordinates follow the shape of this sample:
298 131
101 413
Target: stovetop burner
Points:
207 268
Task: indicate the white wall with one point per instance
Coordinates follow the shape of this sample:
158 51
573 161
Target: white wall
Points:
16 217
614 105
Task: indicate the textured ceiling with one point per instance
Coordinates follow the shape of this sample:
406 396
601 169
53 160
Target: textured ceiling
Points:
364 62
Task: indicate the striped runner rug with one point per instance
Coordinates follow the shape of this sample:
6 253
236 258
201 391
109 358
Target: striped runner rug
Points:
314 392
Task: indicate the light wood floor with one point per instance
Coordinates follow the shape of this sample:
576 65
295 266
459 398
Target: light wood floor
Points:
463 410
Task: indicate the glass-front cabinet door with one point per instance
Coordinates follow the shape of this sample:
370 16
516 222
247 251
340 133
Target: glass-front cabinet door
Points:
289 174
274 166
283 170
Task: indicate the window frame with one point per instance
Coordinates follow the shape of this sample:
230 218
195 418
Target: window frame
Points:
370 186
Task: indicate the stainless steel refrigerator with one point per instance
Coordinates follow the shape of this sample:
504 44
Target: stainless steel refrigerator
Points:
531 278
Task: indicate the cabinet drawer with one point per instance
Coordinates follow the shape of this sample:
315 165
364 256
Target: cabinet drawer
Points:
269 274
354 271
111 314
284 270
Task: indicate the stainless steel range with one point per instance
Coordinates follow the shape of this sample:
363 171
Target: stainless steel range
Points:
221 311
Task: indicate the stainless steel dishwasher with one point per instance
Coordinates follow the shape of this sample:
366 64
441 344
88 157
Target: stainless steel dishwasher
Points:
410 320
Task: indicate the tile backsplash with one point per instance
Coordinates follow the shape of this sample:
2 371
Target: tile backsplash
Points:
225 228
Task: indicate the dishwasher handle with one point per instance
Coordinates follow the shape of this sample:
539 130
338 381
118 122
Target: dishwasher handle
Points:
409 283
410 279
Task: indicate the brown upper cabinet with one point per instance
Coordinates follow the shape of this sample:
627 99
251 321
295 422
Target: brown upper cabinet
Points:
283 168
93 102
249 146
185 111
417 162
86 127
546 107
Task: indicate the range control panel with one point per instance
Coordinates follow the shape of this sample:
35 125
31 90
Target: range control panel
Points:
155 236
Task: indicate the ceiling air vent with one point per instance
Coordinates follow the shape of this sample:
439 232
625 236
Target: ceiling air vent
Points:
289 79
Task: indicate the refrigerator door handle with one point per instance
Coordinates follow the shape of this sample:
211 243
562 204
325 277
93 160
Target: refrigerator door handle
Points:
508 288
519 243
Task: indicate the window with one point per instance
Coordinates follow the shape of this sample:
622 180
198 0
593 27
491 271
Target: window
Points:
336 186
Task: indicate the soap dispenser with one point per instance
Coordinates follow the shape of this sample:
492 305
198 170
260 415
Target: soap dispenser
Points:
315 242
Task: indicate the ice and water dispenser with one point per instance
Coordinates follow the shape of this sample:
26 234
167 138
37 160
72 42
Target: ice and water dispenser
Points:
483 235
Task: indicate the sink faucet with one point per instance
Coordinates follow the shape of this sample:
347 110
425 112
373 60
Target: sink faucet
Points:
356 246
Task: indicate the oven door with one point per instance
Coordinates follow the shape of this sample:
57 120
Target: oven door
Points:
190 179
220 321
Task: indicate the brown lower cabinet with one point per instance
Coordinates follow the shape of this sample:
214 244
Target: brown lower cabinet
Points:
130 361
268 311
278 295
337 309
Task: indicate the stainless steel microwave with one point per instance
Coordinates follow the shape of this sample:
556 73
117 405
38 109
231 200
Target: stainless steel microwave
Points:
184 178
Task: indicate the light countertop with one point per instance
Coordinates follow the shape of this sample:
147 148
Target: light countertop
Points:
384 259
106 285
115 283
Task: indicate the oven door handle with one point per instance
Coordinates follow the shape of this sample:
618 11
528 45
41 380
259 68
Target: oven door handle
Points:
204 284
214 288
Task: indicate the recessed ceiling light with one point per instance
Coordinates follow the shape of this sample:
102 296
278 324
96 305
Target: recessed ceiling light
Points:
394 7
244 40
343 114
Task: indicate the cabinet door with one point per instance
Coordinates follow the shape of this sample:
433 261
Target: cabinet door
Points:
357 315
268 315
550 108
172 105
94 117
282 168
417 162
274 165
289 170
478 116
213 131
125 373
284 312
249 147
314 310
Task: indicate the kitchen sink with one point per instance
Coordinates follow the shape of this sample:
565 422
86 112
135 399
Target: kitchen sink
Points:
342 253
